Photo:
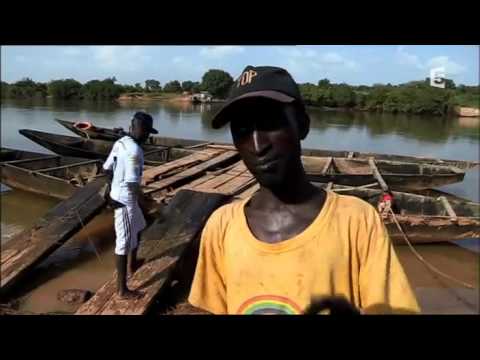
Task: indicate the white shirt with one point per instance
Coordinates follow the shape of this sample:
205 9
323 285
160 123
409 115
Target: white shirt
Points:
126 162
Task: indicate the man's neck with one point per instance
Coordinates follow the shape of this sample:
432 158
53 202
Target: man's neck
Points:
295 191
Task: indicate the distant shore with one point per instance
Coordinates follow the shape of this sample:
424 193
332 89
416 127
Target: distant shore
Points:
460 111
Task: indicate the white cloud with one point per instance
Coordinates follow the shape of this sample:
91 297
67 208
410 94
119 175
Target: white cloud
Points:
127 58
451 67
303 62
406 58
178 60
218 52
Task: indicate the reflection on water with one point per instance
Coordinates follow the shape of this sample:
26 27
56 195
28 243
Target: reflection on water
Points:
76 265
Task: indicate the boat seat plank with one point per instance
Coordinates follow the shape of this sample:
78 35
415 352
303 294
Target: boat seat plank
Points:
448 207
377 174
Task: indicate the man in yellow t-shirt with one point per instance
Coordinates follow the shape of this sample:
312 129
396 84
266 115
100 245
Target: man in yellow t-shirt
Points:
291 243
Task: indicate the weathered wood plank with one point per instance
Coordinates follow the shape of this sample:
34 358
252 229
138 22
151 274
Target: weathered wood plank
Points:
30 247
448 208
327 166
151 174
249 192
377 174
193 172
173 234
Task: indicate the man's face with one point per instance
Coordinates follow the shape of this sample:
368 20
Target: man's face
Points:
267 139
139 132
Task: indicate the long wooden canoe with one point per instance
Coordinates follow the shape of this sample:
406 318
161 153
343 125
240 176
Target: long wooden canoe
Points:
109 134
425 219
398 175
96 149
50 175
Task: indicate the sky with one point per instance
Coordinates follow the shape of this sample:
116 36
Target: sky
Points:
353 64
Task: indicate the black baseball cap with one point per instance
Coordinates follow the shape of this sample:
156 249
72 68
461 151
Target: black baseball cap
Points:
259 81
146 120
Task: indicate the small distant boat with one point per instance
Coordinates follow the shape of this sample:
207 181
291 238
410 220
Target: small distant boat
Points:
97 132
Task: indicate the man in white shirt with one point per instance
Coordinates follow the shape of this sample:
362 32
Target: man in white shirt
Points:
125 167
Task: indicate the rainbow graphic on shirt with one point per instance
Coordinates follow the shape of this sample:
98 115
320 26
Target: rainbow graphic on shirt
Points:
269 304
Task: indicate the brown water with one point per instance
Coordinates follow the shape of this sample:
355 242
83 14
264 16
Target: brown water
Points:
77 265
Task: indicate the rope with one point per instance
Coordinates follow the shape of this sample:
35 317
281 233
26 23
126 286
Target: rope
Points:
88 237
425 262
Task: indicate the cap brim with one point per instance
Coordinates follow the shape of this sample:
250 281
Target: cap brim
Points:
220 119
153 131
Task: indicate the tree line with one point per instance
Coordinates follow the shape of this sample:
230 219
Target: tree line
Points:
214 81
415 97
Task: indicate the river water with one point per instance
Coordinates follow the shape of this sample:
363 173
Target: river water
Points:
87 260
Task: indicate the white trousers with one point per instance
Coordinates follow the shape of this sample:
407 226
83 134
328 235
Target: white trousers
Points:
129 221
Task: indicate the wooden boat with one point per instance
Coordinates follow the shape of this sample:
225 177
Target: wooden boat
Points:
96 149
59 176
398 175
425 219
108 134
352 172
50 175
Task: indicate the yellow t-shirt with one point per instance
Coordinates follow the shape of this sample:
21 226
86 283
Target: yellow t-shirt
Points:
344 251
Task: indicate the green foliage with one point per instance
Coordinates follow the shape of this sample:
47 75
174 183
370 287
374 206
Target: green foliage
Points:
191 86
152 85
65 89
217 82
24 89
173 87
102 89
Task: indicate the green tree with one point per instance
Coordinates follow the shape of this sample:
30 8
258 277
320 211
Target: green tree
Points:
324 83
187 85
217 82
138 87
173 87
343 96
27 89
152 85
65 89
102 89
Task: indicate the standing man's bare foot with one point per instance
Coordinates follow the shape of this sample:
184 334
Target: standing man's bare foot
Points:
135 265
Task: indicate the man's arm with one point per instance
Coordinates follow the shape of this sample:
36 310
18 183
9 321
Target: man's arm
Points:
384 287
208 291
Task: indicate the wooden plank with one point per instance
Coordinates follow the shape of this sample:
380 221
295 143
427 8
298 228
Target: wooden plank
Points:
327 165
152 173
171 242
329 186
249 192
193 172
223 147
14 162
68 166
448 208
377 174
30 247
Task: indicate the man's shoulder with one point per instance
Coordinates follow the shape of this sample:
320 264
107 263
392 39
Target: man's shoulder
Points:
127 144
225 214
352 205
